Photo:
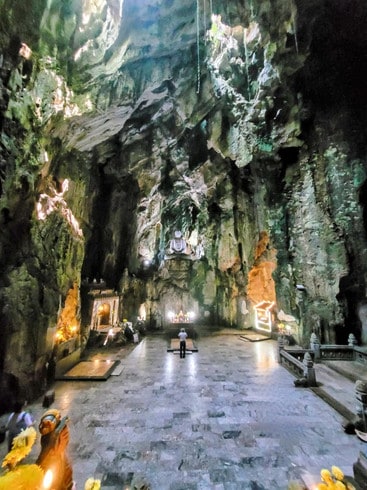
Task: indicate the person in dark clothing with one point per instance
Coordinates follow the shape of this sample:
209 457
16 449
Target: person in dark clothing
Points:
182 336
51 370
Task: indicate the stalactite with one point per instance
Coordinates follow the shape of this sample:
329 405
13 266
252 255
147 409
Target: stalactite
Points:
204 14
251 9
211 8
294 22
198 44
246 64
295 38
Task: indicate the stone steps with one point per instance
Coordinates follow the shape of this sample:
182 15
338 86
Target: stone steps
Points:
336 385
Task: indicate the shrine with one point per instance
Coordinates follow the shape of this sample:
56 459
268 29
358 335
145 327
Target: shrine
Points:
105 309
263 316
181 317
178 247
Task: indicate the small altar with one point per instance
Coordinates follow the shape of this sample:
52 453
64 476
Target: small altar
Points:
104 306
181 319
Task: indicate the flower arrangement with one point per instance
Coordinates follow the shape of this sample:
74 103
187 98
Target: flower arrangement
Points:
28 476
21 447
25 477
334 480
92 484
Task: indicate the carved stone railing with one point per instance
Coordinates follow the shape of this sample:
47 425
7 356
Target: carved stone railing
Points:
336 353
291 363
360 354
326 352
300 361
291 359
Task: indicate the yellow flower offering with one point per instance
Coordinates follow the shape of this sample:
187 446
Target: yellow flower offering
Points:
92 484
326 476
337 472
334 480
339 485
24 477
21 447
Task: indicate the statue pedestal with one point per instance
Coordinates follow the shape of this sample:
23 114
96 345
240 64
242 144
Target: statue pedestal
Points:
360 471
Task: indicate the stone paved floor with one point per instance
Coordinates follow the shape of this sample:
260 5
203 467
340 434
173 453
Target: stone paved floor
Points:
227 417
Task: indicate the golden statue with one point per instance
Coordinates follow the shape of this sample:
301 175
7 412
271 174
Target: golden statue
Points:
54 440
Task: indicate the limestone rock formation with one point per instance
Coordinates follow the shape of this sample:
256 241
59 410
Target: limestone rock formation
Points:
239 124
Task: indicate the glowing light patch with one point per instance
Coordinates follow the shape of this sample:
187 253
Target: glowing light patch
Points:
82 50
252 32
47 481
25 51
48 204
93 10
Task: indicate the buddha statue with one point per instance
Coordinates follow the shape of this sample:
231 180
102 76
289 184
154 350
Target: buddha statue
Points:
177 244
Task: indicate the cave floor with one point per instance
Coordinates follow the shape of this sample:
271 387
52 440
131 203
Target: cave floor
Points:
225 417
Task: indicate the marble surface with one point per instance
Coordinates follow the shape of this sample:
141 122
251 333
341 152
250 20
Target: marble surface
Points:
227 417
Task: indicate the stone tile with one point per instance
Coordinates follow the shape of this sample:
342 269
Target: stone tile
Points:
225 418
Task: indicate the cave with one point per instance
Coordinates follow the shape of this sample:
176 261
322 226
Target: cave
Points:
169 164
240 125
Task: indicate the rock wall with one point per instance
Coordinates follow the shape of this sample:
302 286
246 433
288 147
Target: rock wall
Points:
240 125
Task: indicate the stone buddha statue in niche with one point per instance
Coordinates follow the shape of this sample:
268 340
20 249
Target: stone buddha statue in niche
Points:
177 244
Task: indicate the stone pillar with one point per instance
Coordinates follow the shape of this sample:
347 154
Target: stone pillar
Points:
309 370
360 467
361 396
360 471
362 313
281 344
352 341
315 346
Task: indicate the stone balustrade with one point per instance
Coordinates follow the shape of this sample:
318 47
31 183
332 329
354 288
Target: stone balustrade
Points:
299 362
330 352
360 354
336 353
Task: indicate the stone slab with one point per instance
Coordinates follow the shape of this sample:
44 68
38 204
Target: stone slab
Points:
118 370
254 337
90 370
175 345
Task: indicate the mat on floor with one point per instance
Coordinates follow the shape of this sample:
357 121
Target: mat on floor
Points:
97 370
252 336
175 345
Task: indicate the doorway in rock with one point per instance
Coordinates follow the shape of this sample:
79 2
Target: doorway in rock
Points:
105 309
103 314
